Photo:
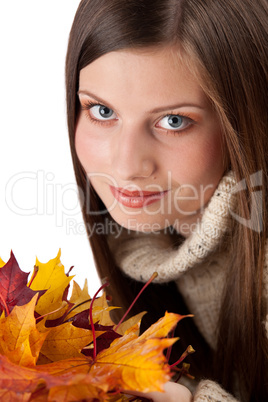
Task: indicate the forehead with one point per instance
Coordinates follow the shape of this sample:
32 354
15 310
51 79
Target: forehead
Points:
153 73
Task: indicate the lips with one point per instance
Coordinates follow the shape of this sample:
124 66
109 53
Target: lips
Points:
136 199
136 193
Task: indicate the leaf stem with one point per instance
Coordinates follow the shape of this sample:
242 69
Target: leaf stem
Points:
184 371
187 352
76 306
51 312
171 335
91 319
4 304
136 298
36 269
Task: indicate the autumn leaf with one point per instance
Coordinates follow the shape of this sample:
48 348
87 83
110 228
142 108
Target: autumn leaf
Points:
162 327
80 296
66 341
20 341
55 349
50 276
12 396
140 363
128 364
82 299
122 328
16 378
13 286
67 380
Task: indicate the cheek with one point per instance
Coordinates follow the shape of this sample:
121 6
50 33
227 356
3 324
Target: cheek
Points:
200 161
82 150
88 148
212 155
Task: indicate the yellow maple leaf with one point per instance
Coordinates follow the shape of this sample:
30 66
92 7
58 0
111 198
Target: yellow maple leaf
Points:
125 325
2 263
162 327
20 340
101 308
138 363
80 295
50 276
101 311
65 341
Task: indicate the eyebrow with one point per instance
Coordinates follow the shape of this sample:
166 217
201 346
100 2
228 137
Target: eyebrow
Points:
155 110
91 95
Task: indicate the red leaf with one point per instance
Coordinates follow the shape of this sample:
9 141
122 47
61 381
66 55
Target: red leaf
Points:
104 340
13 286
81 320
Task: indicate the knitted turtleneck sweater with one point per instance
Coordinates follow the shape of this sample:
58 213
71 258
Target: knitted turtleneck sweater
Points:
197 265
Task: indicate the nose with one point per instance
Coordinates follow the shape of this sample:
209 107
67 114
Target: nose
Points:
133 155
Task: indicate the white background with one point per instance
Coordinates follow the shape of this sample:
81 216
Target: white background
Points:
38 198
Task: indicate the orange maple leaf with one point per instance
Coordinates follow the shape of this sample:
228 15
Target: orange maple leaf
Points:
138 362
20 340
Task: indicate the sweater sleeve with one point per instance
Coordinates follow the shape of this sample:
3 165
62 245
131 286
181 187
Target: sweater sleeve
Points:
212 392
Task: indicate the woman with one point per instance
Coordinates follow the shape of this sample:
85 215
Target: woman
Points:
167 116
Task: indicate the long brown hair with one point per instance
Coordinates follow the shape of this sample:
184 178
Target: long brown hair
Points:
226 44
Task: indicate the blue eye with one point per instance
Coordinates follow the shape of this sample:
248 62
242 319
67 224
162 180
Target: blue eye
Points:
174 122
101 112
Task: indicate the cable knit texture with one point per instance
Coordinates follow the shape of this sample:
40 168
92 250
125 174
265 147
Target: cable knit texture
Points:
141 254
210 391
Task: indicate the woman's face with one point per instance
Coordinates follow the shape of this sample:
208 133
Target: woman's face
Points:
148 138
